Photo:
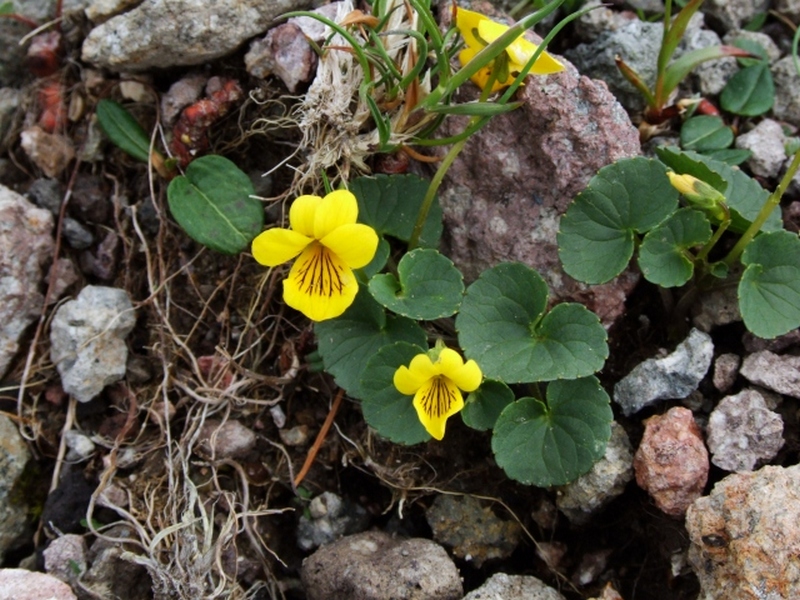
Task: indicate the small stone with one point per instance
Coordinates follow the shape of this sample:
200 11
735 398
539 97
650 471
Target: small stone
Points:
671 463
779 373
47 193
745 536
48 151
742 430
87 337
606 480
284 52
21 584
670 378
592 565
471 529
80 445
103 262
726 368
514 587
181 94
77 235
230 439
331 518
375 566
787 91
734 14
112 497
767 143
295 436
14 456
65 557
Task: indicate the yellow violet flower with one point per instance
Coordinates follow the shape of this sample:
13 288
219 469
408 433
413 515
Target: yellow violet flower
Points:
329 243
436 386
699 193
478 31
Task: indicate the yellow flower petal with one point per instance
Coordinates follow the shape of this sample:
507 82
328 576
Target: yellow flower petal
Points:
302 214
336 209
355 244
437 400
408 380
467 21
275 246
490 30
466 377
319 284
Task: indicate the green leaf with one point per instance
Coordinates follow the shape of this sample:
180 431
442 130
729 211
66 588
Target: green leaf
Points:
598 231
213 204
484 405
663 256
705 133
386 410
476 109
122 129
7 8
557 442
429 287
750 92
730 156
744 195
769 291
348 342
502 325
754 48
680 68
390 204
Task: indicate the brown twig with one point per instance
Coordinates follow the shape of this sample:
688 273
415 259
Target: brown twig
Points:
312 454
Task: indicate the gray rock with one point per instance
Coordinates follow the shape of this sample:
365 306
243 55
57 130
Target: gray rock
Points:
762 39
606 480
766 141
26 244
77 235
599 20
734 14
544 154
514 587
65 558
787 91
742 430
726 368
102 10
47 194
376 566
114 574
230 439
471 528
14 455
673 377
156 33
87 337
81 447
330 517
745 535
21 584
779 373
50 152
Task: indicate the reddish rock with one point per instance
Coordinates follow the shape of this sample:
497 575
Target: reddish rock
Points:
745 536
672 462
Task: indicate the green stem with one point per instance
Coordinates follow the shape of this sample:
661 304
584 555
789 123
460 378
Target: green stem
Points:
723 226
773 201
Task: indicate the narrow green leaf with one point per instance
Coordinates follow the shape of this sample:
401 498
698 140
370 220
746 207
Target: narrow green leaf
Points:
348 342
557 442
663 256
750 92
503 327
429 287
476 109
597 233
705 133
385 409
213 204
485 404
123 130
769 291
678 70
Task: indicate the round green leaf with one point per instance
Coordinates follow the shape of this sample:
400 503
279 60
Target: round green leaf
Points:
663 256
122 129
429 287
597 233
502 326
484 405
750 92
390 204
213 204
769 291
386 410
555 443
705 133
348 342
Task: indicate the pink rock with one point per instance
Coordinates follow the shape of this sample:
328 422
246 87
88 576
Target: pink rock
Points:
21 584
671 463
745 536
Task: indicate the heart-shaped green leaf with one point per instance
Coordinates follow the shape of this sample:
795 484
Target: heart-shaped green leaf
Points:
484 405
122 129
705 133
750 92
731 156
390 204
663 256
213 204
348 342
769 291
557 442
503 327
429 287
597 233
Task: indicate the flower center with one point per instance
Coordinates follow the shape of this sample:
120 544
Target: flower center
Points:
320 274
438 398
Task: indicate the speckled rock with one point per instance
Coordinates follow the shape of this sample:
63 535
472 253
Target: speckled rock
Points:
776 372
766 141
671 463
726 368
14 455
742 430
471 528
734 14
745 536
21 584
514 587
329 518
65 557
606 480
787 91
376 566
26 243
230 439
